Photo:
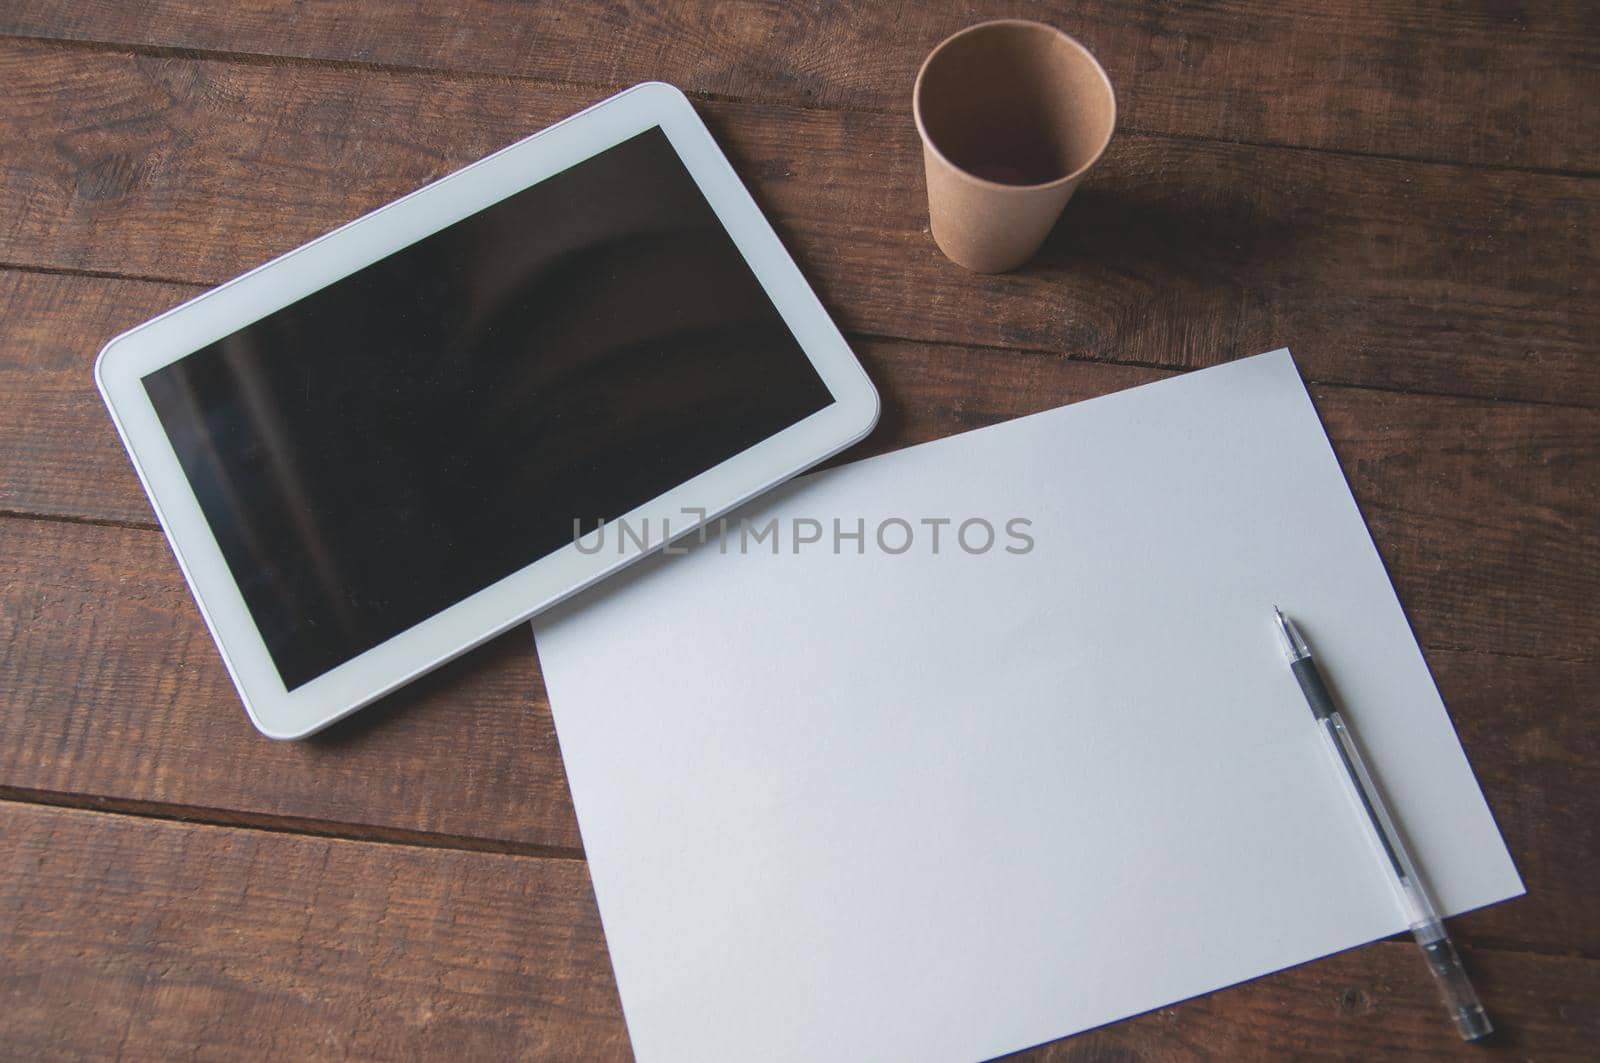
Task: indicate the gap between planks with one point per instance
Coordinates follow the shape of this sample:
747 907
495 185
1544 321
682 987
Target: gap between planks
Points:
313 828
215 819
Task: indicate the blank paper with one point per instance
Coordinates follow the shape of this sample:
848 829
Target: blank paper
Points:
942 805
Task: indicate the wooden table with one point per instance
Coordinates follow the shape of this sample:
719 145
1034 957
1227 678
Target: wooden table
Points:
1408 194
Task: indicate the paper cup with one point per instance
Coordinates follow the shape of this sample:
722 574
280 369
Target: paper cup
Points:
1012 115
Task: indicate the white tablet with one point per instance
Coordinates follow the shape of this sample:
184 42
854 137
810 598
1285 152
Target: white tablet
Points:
382 448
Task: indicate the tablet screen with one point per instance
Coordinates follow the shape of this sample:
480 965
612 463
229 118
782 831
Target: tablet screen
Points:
371 455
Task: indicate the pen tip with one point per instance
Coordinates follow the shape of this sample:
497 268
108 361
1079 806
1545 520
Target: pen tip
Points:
1294 644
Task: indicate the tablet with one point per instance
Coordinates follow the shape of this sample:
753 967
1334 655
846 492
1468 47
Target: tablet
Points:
408 435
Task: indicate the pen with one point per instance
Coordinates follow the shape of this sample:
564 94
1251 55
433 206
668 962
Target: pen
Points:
1426 925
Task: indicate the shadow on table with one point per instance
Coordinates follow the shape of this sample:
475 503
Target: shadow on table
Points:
427 691
1230 241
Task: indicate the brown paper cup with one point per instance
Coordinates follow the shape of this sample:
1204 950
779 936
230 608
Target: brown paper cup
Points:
1012 115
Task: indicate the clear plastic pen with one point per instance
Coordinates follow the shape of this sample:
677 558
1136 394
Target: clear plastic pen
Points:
1426 925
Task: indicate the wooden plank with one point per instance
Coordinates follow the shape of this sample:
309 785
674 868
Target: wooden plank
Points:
1480 82
60 454
170 940
1380 273
1371 1003
1485 511
142 939
1529 735
116 692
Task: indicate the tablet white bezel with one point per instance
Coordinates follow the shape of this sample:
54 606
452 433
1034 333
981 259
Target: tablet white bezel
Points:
281 713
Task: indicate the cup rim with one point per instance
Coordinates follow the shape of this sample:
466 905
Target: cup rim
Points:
983 182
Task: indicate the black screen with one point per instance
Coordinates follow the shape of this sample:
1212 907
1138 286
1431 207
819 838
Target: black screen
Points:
401 439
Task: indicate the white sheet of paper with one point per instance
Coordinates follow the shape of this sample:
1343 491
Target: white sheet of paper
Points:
945 806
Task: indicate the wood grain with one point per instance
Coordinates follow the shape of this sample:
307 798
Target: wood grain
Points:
1405 193
1380 273
179 940
1538 762
60 454
116 691
139 939
1474 82
1486 512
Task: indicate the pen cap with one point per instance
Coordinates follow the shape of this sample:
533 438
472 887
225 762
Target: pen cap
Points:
1472 1022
